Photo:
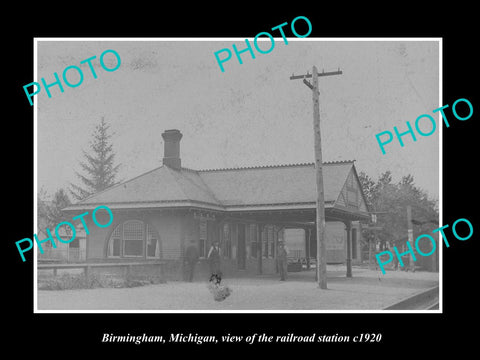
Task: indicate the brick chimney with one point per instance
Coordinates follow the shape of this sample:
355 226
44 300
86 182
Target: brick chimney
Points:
171 152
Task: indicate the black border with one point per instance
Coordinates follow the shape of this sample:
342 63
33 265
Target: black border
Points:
81 333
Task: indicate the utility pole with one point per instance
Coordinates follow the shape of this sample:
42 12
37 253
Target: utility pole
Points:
410 236
320 213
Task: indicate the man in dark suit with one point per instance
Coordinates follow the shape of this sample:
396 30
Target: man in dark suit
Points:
282 260
191 257
214 257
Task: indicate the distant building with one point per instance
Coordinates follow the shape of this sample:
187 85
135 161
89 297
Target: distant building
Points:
74 251
246 209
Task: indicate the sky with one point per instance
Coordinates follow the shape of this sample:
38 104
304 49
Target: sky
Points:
250 115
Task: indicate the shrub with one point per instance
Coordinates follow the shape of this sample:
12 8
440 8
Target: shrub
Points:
95 280
76 281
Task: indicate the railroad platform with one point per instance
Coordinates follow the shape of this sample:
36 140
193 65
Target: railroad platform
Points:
367 290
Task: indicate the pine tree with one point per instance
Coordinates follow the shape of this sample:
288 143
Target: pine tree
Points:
99 168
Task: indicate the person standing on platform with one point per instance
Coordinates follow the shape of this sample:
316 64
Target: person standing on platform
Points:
282 261
214 260
220 291
191 255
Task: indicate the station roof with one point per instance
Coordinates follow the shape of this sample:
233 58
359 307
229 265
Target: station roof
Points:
276 187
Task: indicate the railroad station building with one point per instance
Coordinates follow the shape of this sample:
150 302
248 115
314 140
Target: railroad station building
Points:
248 210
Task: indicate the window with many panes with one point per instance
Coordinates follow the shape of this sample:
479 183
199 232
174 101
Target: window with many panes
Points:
115 242
134 238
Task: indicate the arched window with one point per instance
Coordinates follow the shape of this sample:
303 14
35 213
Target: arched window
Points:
134 238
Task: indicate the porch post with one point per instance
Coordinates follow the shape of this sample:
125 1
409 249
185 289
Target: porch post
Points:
308 232
259 247
348 225
277 229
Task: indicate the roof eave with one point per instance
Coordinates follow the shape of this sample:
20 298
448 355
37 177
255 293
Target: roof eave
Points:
143 205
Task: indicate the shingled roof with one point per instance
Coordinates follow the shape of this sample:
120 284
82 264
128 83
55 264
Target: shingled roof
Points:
263 187
283 184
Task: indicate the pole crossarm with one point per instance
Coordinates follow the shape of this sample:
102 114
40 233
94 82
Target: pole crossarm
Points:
296 77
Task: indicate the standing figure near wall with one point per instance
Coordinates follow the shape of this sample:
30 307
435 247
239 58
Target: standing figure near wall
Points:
282 260
214 260
191 258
